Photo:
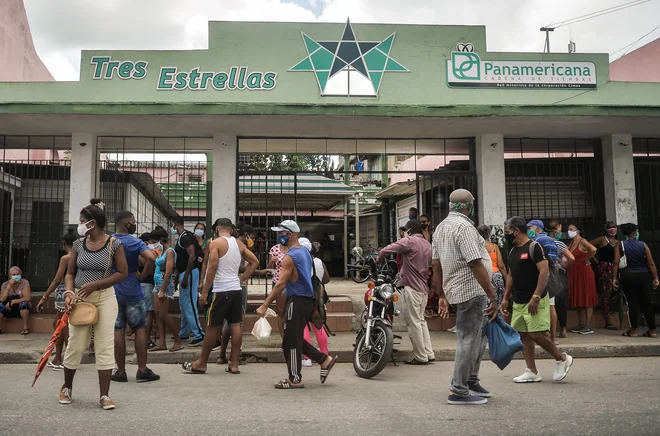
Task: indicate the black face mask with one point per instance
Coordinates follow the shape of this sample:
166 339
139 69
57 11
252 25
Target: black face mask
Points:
425 226
509 238
131 228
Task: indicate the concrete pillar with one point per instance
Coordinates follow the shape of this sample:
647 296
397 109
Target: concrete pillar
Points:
619 172
82 185
225 180
491 195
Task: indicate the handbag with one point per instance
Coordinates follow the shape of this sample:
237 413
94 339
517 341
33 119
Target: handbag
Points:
84 313
623 260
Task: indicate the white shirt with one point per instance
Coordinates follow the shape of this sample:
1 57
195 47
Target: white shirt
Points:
226 277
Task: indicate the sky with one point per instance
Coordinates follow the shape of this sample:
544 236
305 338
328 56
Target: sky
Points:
62 28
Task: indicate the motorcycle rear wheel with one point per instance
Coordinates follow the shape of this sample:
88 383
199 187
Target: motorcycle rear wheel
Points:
382 342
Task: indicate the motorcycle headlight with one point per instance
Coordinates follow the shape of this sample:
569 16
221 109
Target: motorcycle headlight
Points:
386 291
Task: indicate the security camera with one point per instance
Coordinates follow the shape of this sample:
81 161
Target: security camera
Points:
82 144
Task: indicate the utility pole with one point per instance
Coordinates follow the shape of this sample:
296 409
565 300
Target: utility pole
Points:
547 30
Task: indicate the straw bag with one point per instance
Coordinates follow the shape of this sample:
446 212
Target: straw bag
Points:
84 313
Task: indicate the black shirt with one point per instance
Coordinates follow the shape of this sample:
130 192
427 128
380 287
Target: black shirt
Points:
524 271
187 239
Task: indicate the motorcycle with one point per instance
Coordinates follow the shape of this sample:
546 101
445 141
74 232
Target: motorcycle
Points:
360 270
375 340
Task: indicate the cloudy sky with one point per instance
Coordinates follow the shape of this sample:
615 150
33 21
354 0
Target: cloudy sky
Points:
62 28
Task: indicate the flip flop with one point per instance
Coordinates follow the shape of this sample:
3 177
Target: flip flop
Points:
232 372
286 384
188 367
325 372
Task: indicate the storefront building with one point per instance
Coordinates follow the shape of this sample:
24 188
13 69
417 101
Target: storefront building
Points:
405 113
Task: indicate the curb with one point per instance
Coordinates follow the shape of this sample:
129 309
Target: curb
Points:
274 355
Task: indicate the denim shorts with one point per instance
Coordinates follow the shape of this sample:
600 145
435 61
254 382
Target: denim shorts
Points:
131 313
147 290
169 291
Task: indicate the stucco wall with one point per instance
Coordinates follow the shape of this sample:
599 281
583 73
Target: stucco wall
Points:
641 65
19 61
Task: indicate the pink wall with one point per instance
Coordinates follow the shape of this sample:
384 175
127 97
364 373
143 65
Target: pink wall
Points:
641 65
18 58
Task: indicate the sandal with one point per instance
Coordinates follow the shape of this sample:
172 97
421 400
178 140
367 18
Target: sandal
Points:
286 384
232 372
649 335
157 348
25 332
325 372
188 367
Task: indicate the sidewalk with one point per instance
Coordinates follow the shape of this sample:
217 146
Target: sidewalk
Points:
15 348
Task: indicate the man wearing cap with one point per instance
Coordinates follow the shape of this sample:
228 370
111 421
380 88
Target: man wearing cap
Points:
461 277
296 277
415 253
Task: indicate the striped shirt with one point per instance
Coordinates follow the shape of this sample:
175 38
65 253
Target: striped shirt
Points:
92 266
456 243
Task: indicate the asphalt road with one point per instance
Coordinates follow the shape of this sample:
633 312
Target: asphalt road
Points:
599 397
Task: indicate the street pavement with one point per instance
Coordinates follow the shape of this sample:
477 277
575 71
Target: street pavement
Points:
599 396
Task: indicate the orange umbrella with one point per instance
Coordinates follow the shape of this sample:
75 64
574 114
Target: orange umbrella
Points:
61 324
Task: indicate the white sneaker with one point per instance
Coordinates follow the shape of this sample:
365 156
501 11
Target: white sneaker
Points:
527 377
307 362
562 367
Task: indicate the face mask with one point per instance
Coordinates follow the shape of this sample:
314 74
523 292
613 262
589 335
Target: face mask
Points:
612 232
559 235
199 232
82 229
250 242
531 233
509 238
425 226
173 230
155 247
16 278
131 228
572 234
283 240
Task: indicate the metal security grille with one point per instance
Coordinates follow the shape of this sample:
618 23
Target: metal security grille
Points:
560 179
647 185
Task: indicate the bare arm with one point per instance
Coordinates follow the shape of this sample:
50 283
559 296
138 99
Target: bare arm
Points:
481 274
651 264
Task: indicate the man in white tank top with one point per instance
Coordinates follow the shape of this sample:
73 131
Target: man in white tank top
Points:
226 255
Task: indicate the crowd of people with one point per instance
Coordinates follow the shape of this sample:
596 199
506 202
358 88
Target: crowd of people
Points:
454 267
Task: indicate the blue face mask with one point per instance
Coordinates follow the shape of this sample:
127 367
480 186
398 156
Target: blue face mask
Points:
283 240
199 232
16 278
173 230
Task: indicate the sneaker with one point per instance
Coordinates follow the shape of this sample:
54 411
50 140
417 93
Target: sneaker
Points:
217 347
576 329
478 390
196 342
472 399
307 362
146 376
586 330
116 377
561 368
106 403
527 377
65 395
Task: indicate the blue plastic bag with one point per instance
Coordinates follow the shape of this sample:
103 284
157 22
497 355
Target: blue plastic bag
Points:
503 341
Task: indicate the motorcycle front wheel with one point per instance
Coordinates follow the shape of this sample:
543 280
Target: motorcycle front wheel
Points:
368 363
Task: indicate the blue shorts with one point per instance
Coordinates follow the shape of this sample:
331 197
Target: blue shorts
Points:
147 291
131 313
169 291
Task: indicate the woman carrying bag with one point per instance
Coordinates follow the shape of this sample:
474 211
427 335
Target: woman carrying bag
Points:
97 263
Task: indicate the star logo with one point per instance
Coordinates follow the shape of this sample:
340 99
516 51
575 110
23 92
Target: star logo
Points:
349 67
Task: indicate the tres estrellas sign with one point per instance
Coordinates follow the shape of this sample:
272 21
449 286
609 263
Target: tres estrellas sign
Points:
196 79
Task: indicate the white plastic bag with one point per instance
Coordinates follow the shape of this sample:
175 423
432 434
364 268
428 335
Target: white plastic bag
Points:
261 329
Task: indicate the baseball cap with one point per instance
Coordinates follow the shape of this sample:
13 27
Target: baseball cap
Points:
536 223
287 226
304 242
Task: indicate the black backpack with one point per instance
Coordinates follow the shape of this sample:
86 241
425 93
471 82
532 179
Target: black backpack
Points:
319 315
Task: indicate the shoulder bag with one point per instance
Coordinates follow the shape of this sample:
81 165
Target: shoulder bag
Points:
84 313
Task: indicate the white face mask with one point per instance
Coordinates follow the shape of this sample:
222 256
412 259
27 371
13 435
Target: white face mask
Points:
83 229
572 234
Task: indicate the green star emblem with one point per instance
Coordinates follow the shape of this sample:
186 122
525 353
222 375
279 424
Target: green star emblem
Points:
347 66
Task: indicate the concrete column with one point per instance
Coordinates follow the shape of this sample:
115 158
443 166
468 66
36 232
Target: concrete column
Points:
225 180
619 172
82 184
491 196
